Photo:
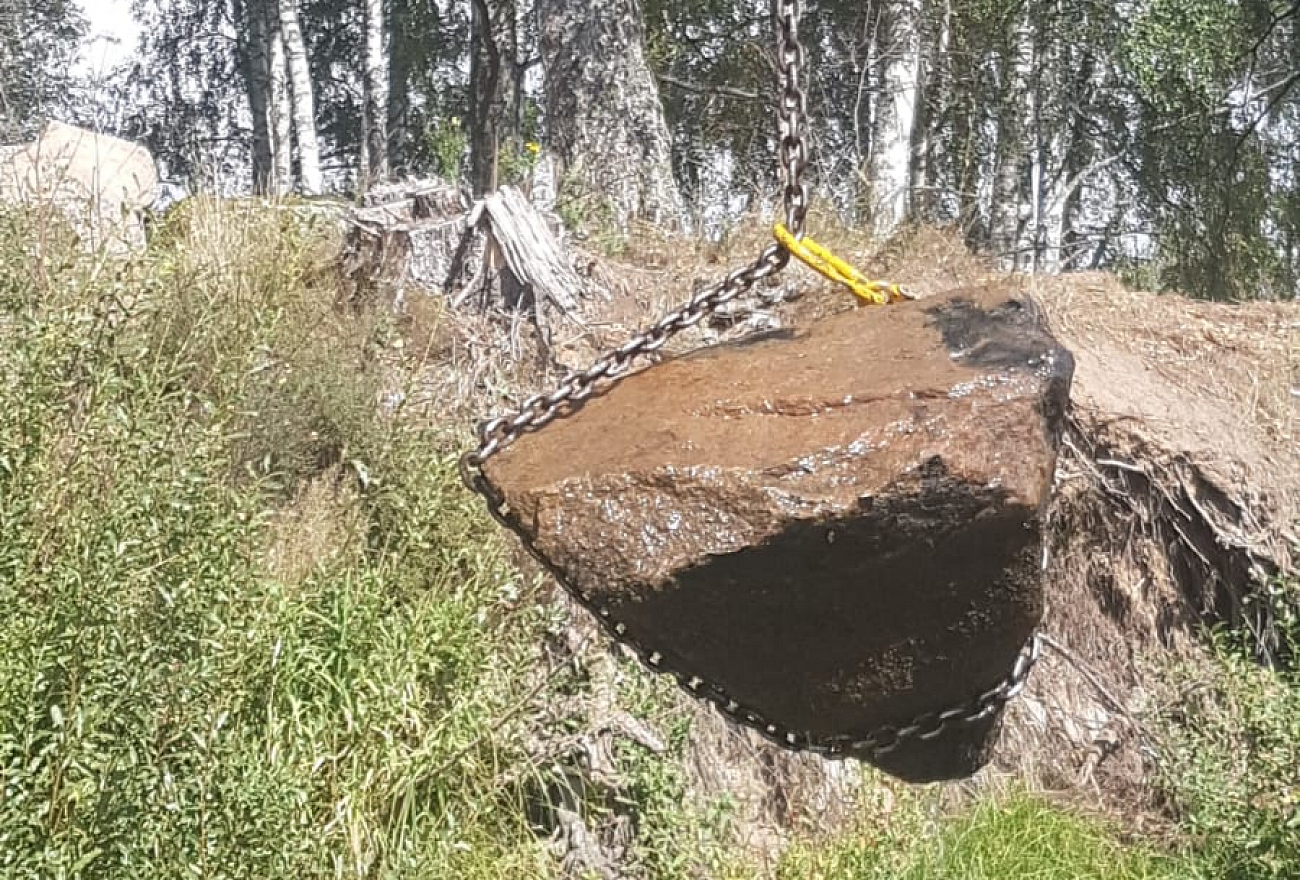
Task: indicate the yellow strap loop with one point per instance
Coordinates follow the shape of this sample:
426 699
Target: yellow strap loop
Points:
825 263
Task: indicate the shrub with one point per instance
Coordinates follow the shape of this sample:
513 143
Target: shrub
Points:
1231 764
171 702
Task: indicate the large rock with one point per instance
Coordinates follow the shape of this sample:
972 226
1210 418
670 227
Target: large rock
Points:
841 527
100 184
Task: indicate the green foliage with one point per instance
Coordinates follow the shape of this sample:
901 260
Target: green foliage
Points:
679 835
516 161
174 701
1181 52
447 144
38 41
1018 836
590 212
1214 83
1232 765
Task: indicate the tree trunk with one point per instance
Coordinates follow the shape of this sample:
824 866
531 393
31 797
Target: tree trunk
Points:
310 179
1064 72
485 79
257 81
604 118
1013 143
930 147
375 90
399 68
899 57
281 114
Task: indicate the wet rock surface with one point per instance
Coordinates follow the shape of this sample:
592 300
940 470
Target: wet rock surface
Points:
841 526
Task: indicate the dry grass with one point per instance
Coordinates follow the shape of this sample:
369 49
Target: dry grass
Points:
320 526
1244 357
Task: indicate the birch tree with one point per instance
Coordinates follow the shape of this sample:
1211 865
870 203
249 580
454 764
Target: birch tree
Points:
604 119
891 163
282 113
1014 113
375 80
310 179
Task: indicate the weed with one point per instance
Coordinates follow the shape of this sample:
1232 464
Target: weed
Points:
1231 763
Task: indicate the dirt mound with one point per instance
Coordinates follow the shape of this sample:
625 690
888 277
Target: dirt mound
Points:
1177 499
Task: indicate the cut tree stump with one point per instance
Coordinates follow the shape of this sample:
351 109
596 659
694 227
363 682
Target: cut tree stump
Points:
405 233
499 255
509 255
841 527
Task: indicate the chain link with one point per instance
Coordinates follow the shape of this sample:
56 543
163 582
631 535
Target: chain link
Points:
792 115
540 410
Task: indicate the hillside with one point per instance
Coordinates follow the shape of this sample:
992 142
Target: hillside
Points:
258 628
1178 495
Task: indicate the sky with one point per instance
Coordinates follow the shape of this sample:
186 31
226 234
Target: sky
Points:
113 35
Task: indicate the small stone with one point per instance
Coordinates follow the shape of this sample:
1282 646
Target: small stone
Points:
841 527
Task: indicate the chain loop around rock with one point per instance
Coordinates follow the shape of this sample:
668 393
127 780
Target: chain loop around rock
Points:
539 410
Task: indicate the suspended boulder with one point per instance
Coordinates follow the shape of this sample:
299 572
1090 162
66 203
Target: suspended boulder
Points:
834 534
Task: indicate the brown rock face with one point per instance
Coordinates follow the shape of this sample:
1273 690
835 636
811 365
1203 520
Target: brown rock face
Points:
841 527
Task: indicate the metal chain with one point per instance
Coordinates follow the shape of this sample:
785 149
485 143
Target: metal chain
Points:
792 115
540 410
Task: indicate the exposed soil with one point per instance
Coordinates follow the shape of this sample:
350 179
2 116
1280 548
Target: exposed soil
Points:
1178 495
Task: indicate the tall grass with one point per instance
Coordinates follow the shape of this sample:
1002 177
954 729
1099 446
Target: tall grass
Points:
179 696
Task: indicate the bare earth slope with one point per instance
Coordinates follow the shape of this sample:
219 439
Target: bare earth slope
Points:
1178 494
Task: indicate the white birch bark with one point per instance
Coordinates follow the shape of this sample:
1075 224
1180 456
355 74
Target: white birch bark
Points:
890 166
310 180
1053 136
1013 146
375 92
281 116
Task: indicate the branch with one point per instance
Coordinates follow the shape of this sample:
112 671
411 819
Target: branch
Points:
1276 19
1283 89
719 91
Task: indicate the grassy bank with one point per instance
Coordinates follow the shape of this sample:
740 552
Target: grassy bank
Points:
1017 835
254 628
223 653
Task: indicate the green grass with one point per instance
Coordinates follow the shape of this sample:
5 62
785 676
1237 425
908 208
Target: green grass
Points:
1018 837
1231 761
173 701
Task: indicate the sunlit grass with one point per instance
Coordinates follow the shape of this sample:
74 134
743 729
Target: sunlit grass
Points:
1018 837
175 702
